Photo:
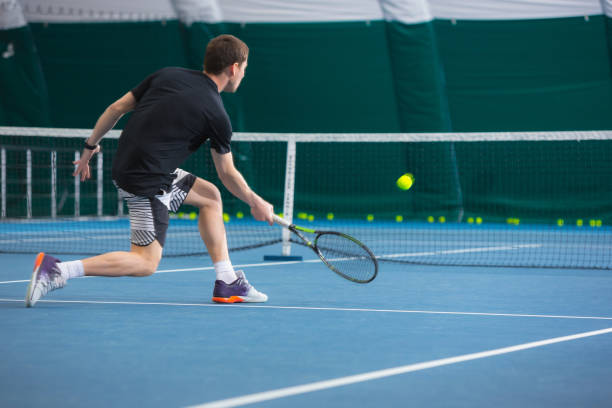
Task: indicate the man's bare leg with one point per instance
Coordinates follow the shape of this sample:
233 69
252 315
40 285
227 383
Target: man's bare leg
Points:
140 261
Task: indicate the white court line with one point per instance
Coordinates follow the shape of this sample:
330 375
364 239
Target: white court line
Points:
334 309
201 268
462 251
206 268
373 375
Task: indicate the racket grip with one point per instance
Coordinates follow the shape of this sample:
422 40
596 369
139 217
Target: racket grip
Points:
281 221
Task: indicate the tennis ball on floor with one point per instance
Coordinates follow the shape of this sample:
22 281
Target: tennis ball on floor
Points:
330 216
193 215
405 181
226 217
240 215
370 217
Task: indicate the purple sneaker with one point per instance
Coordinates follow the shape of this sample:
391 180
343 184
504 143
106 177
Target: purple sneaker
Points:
45 278
239 290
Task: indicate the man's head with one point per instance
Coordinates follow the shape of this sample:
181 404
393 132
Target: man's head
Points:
226 56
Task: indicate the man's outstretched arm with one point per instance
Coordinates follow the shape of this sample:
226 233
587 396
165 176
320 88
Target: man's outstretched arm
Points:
106 122
233 180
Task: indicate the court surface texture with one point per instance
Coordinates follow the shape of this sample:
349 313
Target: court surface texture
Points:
431 336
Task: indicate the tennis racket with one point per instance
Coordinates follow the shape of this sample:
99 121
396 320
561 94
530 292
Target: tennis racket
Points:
341 253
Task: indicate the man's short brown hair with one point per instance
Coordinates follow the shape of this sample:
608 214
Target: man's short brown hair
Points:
223 51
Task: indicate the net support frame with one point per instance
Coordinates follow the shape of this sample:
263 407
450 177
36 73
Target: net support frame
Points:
53 184
3 180
100 184
77 189
29 183
288 195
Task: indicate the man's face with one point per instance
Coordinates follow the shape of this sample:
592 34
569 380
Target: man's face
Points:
235 80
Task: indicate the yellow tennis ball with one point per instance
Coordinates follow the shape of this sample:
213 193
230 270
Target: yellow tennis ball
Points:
405 181
226 217
240 215
193 215
330 216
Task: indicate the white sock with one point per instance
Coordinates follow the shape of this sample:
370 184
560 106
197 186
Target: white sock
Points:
225 271
72 269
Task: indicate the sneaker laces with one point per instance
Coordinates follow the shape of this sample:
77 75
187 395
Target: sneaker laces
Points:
251 288
240 274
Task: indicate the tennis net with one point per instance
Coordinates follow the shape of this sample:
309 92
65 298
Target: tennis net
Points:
532 199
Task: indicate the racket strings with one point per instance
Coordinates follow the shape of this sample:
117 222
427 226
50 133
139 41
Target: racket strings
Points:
347 257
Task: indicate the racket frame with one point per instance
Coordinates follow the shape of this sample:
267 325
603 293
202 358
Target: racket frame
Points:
297 230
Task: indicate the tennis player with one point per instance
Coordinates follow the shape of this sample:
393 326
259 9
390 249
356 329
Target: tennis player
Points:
174 111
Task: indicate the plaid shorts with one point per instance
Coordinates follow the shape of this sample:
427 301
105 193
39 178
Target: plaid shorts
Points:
149 215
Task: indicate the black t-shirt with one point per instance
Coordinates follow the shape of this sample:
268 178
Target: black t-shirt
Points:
177 110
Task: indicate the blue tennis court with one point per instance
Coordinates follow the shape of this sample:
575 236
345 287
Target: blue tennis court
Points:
457 151
415 336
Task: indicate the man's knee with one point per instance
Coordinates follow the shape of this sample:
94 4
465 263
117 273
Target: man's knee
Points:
216 194
150 256
206 194
149 266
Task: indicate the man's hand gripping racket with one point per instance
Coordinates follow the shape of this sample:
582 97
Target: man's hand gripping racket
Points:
341 253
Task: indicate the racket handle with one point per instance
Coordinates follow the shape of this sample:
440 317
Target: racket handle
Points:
281 221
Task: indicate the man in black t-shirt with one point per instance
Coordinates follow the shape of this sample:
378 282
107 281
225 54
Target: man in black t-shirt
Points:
174 111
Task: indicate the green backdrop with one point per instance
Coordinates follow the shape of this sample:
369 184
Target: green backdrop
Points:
377 76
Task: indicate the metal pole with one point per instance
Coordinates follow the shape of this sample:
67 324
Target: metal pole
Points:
289 194
100 182
29 183
3 182
77 189
53 184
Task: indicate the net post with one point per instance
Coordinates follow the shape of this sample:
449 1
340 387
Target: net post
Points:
29 183
100 183
77 189
287 204
53 184
3 180
289 194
